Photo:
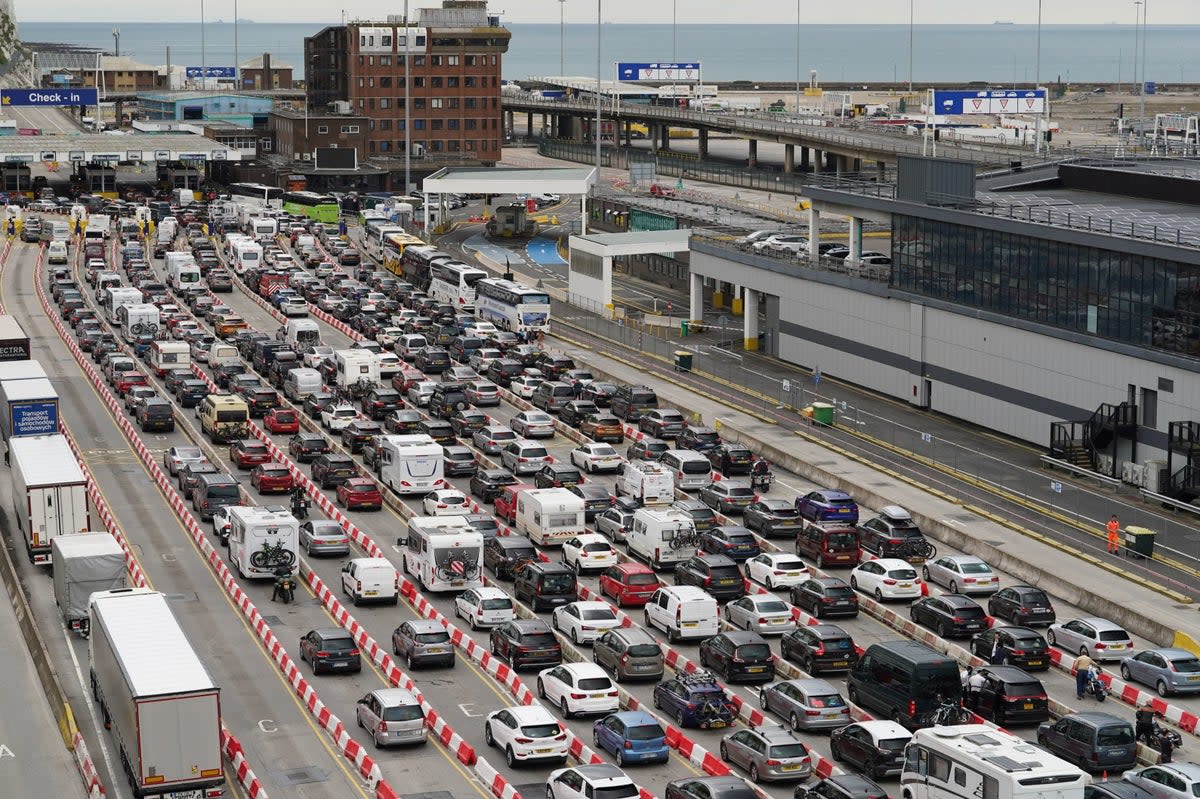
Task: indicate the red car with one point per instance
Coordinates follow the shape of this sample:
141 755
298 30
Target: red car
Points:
247 453
127 380
506 502
629 583
282 420
361 493
272 478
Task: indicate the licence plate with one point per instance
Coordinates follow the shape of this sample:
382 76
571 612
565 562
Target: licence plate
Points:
435 650
595 696
689 624
456 583
370 593
716 725
832 715
754 669
340 665
1193 679
727 581
1038 663
543 751
906 585
193 794
1116 646
790 767
837 663
1028 705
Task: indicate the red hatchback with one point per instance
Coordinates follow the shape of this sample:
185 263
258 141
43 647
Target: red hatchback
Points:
272 478
361 493
506 502
127 380
282 420
247 453
629 583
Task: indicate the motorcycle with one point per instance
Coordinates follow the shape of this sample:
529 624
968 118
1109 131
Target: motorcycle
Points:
1096 688
1158 731
761 482
300 507
285 586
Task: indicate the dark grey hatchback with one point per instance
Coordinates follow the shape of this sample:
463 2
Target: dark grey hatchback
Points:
330 649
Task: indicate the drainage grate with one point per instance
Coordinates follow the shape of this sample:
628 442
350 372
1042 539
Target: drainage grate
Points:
272 620
298 776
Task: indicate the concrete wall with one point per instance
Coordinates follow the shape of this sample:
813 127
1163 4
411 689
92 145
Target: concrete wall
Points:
1006 378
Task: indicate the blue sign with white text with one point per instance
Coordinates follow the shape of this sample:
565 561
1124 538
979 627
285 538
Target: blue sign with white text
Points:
211 72
990 101
35 418
683 70
48 97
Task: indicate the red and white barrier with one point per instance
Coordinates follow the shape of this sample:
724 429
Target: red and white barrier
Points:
87 768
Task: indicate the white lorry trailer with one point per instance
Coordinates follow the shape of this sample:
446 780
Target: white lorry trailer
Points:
156 697
85 563
49 492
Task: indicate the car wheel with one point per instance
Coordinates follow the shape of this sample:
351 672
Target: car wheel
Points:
1125 672
794 721
925 573
754 772
541 688
510 757
620 757
1161 688
375 739
549 792
820 561
854 583
835 752
809 665
487 735
878 595
564 708
679 717
574 636
852 695
942 630
954 586
724 751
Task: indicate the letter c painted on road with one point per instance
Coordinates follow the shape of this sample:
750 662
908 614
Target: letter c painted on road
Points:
267 725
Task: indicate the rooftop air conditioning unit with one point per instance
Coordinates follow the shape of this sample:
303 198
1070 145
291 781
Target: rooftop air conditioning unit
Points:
1104 464
1131 473
341 106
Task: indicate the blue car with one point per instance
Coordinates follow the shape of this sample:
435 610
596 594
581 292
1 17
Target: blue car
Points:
632 736
695 699
828 505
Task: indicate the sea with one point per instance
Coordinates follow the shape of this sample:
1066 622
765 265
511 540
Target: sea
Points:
1000 53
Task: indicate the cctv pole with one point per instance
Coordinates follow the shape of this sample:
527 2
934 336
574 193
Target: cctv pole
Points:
407 104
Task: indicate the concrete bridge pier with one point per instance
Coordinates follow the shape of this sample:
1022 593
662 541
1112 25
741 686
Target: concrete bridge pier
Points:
818 160
804 159
753 159
703 143
529 124
789 158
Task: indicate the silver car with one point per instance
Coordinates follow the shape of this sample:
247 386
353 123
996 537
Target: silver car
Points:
808 704
765 614
533 424
962 574
420 392
177 457
422 642
1167 780
769 754
392 716
615 523
1100 638
491 438
1169 671
324 537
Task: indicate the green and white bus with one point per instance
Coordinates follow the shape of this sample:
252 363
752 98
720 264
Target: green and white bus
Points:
318 207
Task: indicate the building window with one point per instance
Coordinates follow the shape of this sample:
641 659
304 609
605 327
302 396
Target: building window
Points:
362 82
384 124
361 103
418 83
435 60
469 82
350 128
399 124
384 146
371 103
385 41
370 124
435 82
452 102
418 61
418 102
322 130
265 145
470 102
451 82
435 102
470 145
435 124
385 82
362 60
452 124
371 146
469 124
451 60
493 60
436 146
418 124
453 145
470 60
370 60
384 102
385 60
420 41
370 82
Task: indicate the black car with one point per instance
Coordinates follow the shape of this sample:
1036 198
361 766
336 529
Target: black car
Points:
448 399
358 434
875 755
730 459
892 534
486 484
432 360
402 422
379 402
191 392
659 422
732 540
459 461
1115 789
648 449
156 414
261 400
1007 695
467 421
437 429
304 447
1022 604
330 649
332 469
701 439
1018 646
716 574
773 518
951 615
596 499
842 786
557 475
224 374
526 642
599 392
503 555
825 596
502 371
818 648
575 411
729 787
738 655
189 475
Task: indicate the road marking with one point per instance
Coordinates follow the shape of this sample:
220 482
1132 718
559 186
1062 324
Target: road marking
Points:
267 725
463 707
6 752
169 557
950 522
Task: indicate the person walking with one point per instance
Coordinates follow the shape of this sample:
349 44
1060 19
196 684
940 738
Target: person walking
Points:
1082 665
998 655
1113 530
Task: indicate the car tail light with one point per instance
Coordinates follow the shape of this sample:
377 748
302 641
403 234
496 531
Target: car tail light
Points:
755 498
707 582
624 658
819 650
761 620
773 762
523 740
968 580
322 654
1100 645
912 708
889 581
358 583
827 600
894 542
626 745
812 712
1018 652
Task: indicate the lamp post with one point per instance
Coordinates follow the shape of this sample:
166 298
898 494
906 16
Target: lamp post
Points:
596 132
796 111
910 44
1137 21
1037 83
1145 47
562 37
674 54
203 50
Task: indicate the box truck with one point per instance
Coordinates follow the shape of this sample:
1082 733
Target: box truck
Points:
21 370
30 408
49 492
14 343
157 699
84 564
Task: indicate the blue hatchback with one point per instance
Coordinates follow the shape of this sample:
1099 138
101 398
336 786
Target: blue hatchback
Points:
632 736
828 505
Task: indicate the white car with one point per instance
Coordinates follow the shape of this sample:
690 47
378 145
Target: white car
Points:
584 621
588 552
183 327
481 330
294 308
485 606
337 417
420 392
524 386
313 356
179 456
594 458
765 614
525 733
962 574
587 782
777 570
388 336
221 522
578 688
447 502
532 424
389 364
886 578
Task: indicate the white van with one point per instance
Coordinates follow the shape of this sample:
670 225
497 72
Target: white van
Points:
550 515
299 383
221 353
691 470
651 483
301 333
56 253
371 580
683 612
656 536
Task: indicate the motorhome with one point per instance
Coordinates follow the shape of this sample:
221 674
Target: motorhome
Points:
262 541
411 464
444 553
550 515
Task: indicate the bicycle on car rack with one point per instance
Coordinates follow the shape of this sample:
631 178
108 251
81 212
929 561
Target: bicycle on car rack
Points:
917 548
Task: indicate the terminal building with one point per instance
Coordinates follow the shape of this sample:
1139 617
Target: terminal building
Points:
1059 305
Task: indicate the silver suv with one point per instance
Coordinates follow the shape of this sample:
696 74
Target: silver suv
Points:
422 642
524 457
629 653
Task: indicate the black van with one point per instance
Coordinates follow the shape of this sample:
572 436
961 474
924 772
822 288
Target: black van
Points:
214 491
630 402
156 414
904 681
546 585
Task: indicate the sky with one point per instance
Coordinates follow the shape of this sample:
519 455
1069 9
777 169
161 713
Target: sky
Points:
1064 12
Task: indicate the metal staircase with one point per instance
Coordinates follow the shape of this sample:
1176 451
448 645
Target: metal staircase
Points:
1183 461
1081 443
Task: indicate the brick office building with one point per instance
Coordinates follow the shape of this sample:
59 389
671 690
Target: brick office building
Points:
453 56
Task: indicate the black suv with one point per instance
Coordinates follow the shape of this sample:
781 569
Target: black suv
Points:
730 459
1019 646
502 371
893 534
648 449
156 414
458 461
1008 696
545 585
447 399
819 647
191 392
526 642
716 574
432 360
951 615
1022 604
557 475
738 655
379 402
486 484
701 439
332 469
330 649
306 446
576 411
506 554
630 402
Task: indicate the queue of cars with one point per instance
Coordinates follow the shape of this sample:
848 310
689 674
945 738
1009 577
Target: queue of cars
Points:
525 646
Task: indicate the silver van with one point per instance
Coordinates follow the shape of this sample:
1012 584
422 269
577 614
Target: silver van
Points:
301 382
552 396
691 469
629 653
392 716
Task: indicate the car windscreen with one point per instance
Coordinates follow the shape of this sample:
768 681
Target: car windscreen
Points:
644 651
934 682
1036 642
403 713
598 614
558 582
338 644
595 684
893 744
754 651
641 579
645 732
696 467
741 491
615 791
540 730
538 640
533 452
827 700
772 606
787 751
227 490
496 604
976 568
902 574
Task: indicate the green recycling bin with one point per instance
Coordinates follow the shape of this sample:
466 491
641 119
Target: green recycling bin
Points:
683 327
1139 542
822 413
683 361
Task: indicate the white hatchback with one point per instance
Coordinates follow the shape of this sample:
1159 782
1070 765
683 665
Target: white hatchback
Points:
526 733
777 570
485 606
886 578
578 688
588 552
447 502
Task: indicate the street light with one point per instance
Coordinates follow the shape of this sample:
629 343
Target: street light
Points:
562 38
797 109
1037 82
596 132
910 45
1137 21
